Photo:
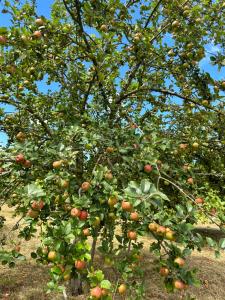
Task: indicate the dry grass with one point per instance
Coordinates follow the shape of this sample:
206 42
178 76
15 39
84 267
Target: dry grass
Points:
27 281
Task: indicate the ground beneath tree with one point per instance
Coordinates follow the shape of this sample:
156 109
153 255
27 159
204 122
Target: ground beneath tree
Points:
27 281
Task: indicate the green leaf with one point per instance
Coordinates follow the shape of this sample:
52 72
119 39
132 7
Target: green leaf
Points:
145 186
105 284
210 242
34 190
222 243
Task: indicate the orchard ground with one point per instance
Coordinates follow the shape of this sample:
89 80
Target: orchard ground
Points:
27 281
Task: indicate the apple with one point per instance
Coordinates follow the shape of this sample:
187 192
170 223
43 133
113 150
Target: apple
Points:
205 102
178 284
134 216
179 261
65 184
148 168
96 222
85 186
195 145
161 230
17 248
112 216
213 211
109 176
104 28
112 201
39 22
132 235
80 264
57 164
137 36
199 200
67 276
75 212
20 158
223 84
183 146
164 271
86 231
3 40
20 136
122 289
96 292
1 170
33 213
37 34
127 206
25 38
41 204
190 180
52 255
153 226
109 150
175 24
62 268
27 163
83 215
35 205
169 235
105 292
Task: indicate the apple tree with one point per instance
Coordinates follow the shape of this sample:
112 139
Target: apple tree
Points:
125 140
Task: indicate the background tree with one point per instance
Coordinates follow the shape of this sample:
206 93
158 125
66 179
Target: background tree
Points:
130 141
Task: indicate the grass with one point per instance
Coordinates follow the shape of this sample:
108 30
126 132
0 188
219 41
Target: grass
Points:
27 281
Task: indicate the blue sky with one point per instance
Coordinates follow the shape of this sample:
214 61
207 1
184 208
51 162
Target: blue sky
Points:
44 10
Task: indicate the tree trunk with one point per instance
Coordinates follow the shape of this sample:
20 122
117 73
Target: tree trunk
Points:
76 287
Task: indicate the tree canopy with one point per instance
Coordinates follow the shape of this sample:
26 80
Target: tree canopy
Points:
128 123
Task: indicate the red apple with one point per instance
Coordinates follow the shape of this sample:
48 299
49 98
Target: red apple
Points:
96 292
37 34
179 261
178 284
183 146
75 212
199 200
3 40
190 180
161 230
83 215
20 158
164 271
27 163
33 213
86 231
127 206
80 264
39 22
132 235
134 216
148 168
85 186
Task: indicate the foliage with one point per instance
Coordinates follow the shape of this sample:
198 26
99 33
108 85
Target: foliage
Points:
125 137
